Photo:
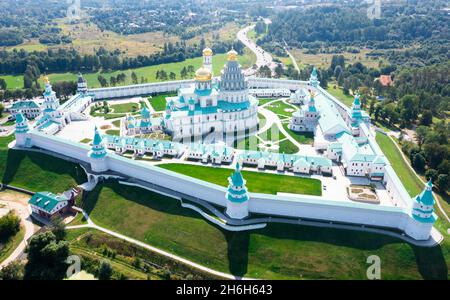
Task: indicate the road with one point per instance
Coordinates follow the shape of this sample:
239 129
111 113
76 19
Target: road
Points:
23 212
263 58
291 56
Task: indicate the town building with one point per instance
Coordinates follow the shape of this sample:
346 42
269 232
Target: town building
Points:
48 205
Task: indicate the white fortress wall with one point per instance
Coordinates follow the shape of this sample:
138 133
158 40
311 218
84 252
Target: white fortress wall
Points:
139 89
289 205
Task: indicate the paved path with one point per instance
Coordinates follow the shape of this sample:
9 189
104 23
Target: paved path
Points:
294 62
24 214
263 58
421 180
91 224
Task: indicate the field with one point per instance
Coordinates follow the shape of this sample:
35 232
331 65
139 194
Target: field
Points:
339 94
279 251
323 60
148 73
408 178
256 182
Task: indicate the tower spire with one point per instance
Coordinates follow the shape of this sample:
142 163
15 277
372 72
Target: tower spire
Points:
237 195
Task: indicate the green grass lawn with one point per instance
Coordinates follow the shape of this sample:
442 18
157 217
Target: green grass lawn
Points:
125 108
287 147
263 101
301 137
281 108
339 94
86 141
158 102
256 182
116 123
412 184
279 251
113 131
149 72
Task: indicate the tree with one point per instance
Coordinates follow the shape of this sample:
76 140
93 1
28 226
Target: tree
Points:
183 73
426 118
3 84
421 133
408 105
9 226
419 162
442 182
104 271
13 271
172 76
59 229
431 174
46 257
2 109
134 78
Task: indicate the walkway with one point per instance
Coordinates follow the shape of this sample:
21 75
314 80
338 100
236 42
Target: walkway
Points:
23 212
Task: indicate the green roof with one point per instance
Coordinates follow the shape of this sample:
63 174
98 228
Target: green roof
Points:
46 200
24 104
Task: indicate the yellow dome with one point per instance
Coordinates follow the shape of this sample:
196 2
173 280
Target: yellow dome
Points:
207 52
46 81
232 55
203 74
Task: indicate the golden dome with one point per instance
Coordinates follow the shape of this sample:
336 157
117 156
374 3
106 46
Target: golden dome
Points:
207 52
203 74
232 55
46 81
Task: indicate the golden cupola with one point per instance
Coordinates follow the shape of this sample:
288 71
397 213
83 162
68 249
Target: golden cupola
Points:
207 52
232 55
203 74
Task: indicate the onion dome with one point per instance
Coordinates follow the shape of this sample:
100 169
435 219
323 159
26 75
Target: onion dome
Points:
232 55
203 74
207 52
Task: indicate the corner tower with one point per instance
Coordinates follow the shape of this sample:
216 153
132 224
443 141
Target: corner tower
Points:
237 195
21 129
422 214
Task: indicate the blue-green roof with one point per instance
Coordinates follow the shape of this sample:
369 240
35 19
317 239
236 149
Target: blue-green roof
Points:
24 104
97 137
145 113
46 200
426 197
236 177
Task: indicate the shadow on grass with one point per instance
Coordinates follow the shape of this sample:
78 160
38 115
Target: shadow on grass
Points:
46 163
431 262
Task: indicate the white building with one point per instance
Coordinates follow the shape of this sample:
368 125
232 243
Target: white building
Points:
206 108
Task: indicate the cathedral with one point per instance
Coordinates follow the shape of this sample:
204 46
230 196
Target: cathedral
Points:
219 107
